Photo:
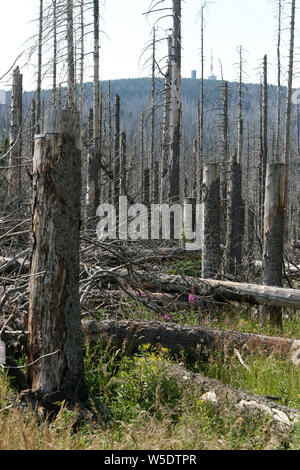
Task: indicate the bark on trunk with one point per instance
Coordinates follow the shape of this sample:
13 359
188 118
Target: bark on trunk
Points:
194 342
211 259
218 290
174 171
245 404
55 352
272 263
166 127
14 175
234 229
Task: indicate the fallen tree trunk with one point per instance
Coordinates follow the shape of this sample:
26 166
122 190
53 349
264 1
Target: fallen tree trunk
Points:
224 290
196 342
244 403
12 264
221 291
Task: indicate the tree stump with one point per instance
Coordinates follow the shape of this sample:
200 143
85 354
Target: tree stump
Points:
55 349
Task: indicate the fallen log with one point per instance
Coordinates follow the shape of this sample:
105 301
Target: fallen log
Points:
195 342
15 263
220 395
222 290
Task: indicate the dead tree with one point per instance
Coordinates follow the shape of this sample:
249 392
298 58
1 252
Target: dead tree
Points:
166 126
123 184
93 188
70 58
54 87
201 108
174 168
211 258
273 236
39 73
152 142
234 208
287 144
117 139
264 158
55 349
14 175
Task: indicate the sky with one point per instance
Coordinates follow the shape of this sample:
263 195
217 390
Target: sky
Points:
126 32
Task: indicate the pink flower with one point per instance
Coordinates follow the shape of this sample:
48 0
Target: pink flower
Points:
139 312
167 317
142 294
192 298
227 321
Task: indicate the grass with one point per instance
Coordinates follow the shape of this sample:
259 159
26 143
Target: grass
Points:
141 407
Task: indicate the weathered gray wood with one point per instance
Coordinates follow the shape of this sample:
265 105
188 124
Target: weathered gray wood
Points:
54 307
166 128
272 262
195 342
245 404
174 166
219 290
234 225
14 174
58 121
211 259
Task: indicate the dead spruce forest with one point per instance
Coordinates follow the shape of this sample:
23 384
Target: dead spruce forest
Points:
207 319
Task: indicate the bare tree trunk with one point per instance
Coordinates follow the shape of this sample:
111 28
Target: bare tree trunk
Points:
54 51
264 133
71 65
117 152
39 73
278 82
287 145
142 156
224 166
166 126
273 235
33 128
201 105
81 98
211 259
234 229
55 349
14 175
110 142
174 167
123 169
96 74
152 143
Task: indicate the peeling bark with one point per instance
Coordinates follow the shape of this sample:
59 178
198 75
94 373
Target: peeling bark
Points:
195 342
54 309
211 259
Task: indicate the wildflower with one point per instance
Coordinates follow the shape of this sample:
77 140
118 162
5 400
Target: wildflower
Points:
192 298
139 312
167 318
227 321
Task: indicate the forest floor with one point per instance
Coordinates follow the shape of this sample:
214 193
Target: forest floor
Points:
138 405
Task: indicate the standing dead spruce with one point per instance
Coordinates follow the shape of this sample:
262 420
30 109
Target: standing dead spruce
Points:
54 325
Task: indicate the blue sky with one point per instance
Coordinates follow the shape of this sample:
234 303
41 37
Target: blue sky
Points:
228 24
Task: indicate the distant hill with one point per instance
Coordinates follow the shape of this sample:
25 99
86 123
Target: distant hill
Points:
135 95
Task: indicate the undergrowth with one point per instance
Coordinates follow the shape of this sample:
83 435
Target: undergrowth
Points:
140 406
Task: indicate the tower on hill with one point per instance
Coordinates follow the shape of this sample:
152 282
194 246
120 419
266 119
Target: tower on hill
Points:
212 75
